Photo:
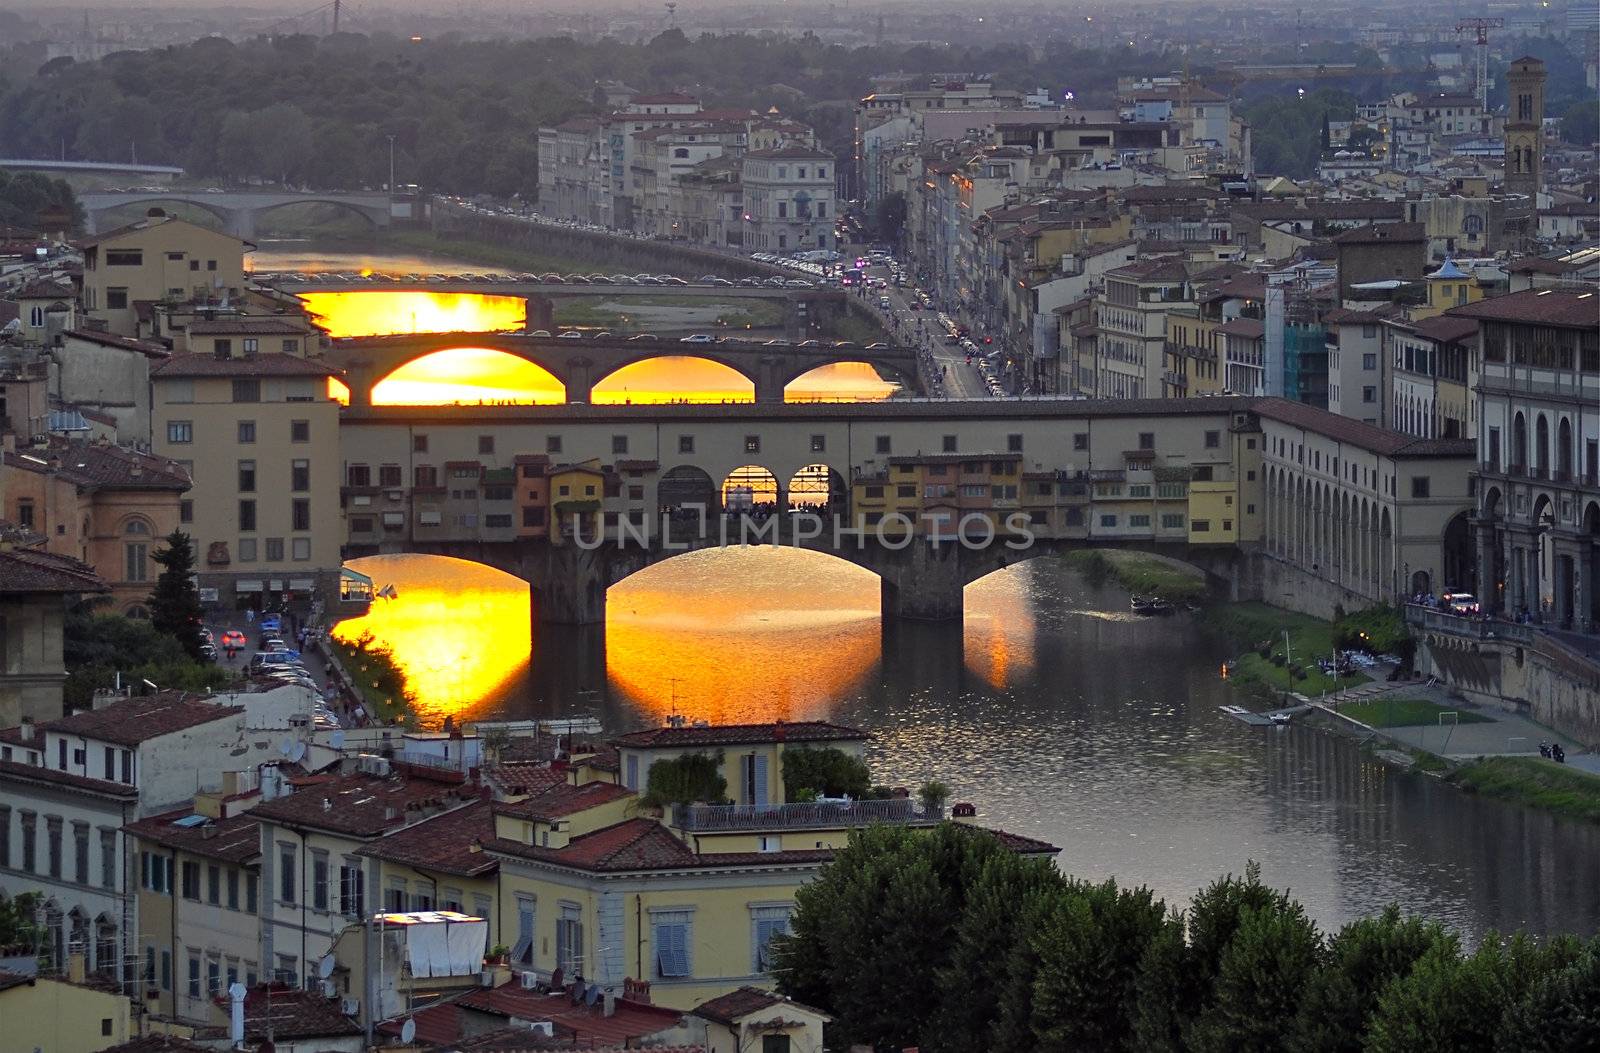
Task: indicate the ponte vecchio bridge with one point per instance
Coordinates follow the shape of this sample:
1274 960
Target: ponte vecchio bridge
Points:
518 487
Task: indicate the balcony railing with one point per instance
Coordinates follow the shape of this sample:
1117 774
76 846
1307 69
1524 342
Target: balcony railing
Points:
1461 625
706 818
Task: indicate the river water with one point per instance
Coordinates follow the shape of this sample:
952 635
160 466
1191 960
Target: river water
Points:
1051 708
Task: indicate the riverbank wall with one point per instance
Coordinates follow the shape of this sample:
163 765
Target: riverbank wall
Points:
1285 585
1535 675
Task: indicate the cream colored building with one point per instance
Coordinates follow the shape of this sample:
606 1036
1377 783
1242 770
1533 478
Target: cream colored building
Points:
64 1015
159 258
260 437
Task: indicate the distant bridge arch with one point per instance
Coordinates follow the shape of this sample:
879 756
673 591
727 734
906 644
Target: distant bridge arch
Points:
236 209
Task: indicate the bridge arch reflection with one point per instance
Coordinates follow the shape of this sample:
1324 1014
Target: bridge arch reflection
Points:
469 376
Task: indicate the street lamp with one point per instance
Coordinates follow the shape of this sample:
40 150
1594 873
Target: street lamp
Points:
391 167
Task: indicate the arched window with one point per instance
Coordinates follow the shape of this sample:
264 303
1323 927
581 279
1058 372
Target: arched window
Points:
36 317
136 553
136 528
1473 224
1519 444
1541 447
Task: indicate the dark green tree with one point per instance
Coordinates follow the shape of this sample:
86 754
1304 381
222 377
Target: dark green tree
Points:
1018 1019
1327 133
1580 123
1559 1013
18 929
827 771
1273 954
691 778
1090 951
175 602
1363 958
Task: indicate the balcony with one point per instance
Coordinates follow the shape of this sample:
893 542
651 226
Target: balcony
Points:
819 815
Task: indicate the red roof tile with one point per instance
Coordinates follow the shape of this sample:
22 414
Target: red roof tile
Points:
33 570
39 774
135 720
235 840
561 801
446 843
1403 233
292 1014
738 1004
1568 308
361 805
1383 441
123 343
740 734
100 465
276 364
589 1025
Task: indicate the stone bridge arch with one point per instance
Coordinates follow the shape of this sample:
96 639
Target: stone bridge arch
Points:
375 217
223 215
904 371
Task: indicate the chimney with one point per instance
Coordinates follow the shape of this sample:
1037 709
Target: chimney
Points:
236 1016
26 730
77 967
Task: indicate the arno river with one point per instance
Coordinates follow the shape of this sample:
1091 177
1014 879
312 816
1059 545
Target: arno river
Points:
1054 710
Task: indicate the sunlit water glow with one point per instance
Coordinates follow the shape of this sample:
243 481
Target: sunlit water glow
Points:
376 312
1053 709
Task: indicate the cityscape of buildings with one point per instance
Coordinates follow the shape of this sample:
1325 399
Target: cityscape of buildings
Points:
1366 386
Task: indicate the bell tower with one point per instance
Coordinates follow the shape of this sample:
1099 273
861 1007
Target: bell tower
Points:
1525 133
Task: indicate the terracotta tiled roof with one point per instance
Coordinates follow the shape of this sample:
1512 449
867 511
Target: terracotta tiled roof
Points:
234 840
1574 308
1404 233
1026 846
1152 271
797 153
738 1004
45 289
443 843
740 734
276 364
292 1014
1445 328
159 1044
1358 433
1252 328
667 98
249 326
633 844
135 720
39 774
30 570
561 801
100 465
9 980
589 1025
359 805
123 343
522 778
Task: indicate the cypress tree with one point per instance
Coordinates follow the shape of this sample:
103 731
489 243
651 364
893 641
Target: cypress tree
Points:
175 603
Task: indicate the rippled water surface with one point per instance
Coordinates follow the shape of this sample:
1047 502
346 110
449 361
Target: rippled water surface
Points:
1057 713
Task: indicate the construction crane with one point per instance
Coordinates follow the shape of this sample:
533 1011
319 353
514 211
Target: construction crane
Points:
1482 25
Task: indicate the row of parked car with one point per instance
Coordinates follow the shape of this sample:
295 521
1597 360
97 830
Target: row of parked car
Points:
346 278
702 338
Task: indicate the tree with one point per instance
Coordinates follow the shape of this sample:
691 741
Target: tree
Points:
685 780
828 771
1559 1013
1363 958
26 198
1090 951
889 217
1327 133
1580 124
175 603
18 929
1273 954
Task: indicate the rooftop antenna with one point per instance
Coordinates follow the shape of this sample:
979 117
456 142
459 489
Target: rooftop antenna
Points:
672 15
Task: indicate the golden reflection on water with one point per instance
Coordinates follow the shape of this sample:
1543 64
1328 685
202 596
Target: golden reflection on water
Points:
468 375
460 630
673 378
374 312
737 634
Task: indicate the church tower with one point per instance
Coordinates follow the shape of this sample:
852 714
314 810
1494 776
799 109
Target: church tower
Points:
1525 132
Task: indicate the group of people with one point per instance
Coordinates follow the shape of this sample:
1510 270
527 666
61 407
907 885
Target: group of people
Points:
1553 751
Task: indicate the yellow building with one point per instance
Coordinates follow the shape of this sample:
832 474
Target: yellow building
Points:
158 259
750 756
1448 287
61 1015
259 435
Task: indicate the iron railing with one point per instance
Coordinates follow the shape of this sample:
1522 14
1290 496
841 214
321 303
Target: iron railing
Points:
802 816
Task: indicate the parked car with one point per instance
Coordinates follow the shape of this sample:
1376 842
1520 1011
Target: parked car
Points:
697 338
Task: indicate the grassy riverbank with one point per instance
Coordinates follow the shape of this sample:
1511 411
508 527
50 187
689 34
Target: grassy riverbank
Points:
1535 782
378 676
1405 713
1279 648
1141 574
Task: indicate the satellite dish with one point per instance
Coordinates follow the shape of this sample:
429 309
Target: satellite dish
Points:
325 967
298 753
286 747
408 1030
592 995
337 740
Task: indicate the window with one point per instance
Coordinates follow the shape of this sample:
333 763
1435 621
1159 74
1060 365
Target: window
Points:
124 257
108 855
52 828
222 349
1369 394
1138 520
274 550
319 880
286 869
1419 487
1369 361
166 970
180 431
300 514
569 939
246 389
1201 526
299 431
247 550
300 476
775 1044
247 515
1213 439
186 511
686 444
194 974
137 567
765 923
486 444
80 846
1108 521
881 444
116 299
389 476
190 880
670 941
247 477
619 444
752 444
1080 440
287 970
352 889
522 951
1147 440
819 443
233 889
251 892
247 432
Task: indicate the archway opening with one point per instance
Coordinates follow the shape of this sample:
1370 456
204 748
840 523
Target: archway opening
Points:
1591 530
376 312
840 382
467 376
460 631
750 488
673 378
1459 567
817 488
686 485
